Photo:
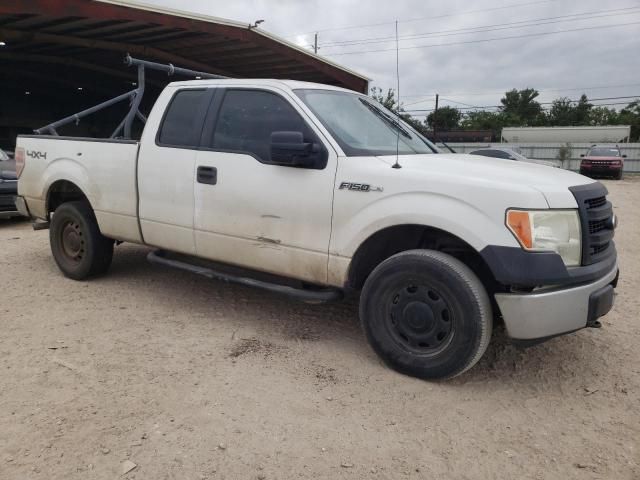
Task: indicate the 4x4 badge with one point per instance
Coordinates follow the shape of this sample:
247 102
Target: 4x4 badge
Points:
360 187
36 154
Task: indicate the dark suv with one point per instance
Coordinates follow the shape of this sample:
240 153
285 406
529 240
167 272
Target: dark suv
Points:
605 161
8 186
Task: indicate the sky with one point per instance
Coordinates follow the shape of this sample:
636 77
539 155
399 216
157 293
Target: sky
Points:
450 47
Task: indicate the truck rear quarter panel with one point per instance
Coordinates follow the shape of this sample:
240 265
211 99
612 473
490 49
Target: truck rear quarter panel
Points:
105 171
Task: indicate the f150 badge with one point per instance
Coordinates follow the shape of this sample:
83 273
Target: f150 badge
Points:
360 187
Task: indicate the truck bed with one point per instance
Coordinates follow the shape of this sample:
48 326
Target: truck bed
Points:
104 169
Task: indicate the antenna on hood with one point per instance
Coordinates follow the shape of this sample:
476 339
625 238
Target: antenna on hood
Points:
397 164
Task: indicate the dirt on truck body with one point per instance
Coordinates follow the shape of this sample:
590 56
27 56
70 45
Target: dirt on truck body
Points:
185 377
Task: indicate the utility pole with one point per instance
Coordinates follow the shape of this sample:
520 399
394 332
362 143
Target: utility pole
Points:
315 44
435 121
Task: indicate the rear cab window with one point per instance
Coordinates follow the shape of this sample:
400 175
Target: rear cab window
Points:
184 118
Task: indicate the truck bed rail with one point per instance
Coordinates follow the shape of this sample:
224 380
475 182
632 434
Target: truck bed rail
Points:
134 96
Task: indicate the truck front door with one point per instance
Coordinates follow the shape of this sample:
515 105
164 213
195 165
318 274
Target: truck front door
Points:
166 168
250 209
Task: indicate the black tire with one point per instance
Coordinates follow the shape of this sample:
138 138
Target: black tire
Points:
426 314
77 245
618 175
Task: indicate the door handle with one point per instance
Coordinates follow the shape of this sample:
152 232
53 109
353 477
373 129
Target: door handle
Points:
208 175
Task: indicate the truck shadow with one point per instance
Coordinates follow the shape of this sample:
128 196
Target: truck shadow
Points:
282 320
286 318
569 357
13 222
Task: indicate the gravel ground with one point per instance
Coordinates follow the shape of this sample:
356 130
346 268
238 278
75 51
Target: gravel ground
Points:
186 378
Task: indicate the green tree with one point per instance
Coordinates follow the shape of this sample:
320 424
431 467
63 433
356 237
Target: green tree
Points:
446 118
630 115
603 116
520 106
388 100
419 126
582 111
483 120
561 113
564 154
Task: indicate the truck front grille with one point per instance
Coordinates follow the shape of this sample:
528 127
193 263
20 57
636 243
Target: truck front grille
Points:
595 202
597 223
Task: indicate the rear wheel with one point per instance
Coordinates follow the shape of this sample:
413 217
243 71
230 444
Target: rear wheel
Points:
426 314
77 245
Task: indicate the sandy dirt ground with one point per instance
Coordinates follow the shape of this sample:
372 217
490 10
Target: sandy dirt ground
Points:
186 378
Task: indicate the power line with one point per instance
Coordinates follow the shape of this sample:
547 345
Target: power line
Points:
485 40
542 90
490 28
471 107
417 19
428 97
549 103
427 111
429 100
459 103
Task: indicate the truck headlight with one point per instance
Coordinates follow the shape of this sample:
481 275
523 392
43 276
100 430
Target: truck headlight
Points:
548 230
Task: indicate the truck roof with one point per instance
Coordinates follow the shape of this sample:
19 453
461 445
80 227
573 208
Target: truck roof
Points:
289 84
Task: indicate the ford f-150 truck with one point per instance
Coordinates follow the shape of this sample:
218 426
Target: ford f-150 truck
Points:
322 191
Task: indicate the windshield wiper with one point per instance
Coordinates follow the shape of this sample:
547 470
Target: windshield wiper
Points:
451 149
387 118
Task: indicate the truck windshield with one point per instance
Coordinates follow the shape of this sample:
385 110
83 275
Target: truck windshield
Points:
604 152
362 126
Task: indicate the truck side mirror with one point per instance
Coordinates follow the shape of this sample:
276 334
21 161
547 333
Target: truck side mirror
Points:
582 155
624 155
289 149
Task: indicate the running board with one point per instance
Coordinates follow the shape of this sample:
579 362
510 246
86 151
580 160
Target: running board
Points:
320 295
40 225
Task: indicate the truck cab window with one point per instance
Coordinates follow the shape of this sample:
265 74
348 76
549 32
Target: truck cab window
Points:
182 124
247 119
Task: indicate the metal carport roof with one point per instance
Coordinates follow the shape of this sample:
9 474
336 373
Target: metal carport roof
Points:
94 35
58 57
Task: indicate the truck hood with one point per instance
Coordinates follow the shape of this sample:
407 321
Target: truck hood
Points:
553 183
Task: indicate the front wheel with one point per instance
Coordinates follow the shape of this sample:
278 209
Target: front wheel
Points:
77 245
426 314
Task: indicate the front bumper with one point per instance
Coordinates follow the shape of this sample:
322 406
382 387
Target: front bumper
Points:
600 168
553 311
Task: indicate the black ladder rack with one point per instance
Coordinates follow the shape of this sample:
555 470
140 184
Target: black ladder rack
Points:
134 96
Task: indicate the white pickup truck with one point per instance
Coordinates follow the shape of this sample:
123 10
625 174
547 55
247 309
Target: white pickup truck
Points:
321 191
